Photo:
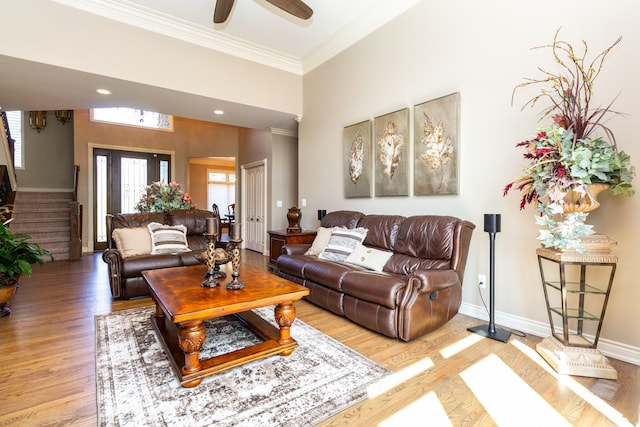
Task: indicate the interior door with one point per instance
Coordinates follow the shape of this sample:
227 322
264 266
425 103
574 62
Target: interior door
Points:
120 178
254 208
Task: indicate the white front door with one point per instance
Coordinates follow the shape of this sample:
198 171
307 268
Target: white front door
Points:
254 206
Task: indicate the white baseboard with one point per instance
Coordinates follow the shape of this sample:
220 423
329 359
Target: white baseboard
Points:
607 347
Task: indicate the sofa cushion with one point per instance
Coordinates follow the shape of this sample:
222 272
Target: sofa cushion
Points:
348 219
342 242
168 239
382 230
320 241
135 265
379 288
370 258
195 220
327 273
132 241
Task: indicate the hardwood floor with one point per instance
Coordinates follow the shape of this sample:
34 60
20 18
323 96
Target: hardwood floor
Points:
47 365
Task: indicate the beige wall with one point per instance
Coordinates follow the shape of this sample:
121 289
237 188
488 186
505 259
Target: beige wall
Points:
482 50
48 156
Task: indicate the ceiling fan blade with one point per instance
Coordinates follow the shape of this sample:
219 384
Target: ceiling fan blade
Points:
295 7
223 9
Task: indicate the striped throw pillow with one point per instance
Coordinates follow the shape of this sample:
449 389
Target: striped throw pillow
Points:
342 242
168 239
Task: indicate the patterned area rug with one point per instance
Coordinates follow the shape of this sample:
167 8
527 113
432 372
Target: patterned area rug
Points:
137 387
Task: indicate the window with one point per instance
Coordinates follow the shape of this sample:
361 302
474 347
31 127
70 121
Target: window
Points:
221 189
14 118
132 117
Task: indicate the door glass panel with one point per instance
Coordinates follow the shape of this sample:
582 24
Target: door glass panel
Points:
133 175
101 198
164 171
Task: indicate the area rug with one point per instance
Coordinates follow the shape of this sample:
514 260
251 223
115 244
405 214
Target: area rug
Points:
137 387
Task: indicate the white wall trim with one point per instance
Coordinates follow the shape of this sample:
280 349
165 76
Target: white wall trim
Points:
284 132
609 348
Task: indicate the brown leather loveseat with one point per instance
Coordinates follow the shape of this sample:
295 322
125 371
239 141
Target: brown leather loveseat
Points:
419 288
126 266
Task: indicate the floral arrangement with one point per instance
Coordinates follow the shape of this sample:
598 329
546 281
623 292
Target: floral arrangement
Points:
161 197
565 158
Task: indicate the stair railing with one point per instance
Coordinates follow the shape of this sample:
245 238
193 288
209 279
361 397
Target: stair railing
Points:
75 221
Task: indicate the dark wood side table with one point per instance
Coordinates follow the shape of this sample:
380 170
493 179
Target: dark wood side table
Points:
279 238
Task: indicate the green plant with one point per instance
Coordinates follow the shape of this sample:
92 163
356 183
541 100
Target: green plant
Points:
161 197
17 254
566 157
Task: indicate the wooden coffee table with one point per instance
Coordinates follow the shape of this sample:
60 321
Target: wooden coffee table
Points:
182 305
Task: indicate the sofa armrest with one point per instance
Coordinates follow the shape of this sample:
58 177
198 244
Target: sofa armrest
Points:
114 263
426 281
294 249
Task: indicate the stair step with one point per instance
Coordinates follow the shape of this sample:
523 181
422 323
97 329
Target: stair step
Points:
22 196
45 217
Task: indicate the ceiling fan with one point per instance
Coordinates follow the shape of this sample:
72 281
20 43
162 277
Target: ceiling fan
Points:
295 7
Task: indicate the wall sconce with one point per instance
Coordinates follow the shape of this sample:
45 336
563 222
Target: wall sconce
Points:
64 116
321 214
37 120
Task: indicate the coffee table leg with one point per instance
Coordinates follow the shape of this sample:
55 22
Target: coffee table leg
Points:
285 315
191 336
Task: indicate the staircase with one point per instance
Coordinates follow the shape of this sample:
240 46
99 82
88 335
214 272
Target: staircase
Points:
45 217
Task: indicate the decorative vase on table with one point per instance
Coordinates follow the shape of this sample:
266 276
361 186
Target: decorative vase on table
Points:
293 216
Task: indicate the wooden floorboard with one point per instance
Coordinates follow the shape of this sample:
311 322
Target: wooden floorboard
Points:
47 362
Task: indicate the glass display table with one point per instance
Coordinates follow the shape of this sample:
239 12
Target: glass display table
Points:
576 295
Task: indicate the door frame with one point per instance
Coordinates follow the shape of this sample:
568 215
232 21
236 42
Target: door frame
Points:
243 193
90 178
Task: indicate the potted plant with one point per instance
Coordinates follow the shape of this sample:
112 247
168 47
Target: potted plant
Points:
568 163
161 197
16 257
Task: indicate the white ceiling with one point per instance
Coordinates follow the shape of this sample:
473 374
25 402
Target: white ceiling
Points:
281 40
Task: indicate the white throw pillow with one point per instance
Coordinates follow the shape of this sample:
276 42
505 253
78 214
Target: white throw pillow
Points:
320 241
371 258
132 241
168 239
342 242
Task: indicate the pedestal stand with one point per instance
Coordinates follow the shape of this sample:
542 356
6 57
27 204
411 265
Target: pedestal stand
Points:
570 352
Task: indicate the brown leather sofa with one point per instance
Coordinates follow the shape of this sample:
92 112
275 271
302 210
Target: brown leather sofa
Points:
125 273
420 287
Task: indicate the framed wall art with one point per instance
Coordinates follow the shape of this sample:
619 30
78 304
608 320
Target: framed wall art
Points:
436 146
357 159
391 148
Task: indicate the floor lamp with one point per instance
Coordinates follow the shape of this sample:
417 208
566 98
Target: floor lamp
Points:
491 226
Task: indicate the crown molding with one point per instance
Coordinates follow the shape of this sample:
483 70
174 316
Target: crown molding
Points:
150 20
160 23
283 132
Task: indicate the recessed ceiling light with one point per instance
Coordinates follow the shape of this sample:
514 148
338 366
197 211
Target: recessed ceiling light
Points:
218 112
103 91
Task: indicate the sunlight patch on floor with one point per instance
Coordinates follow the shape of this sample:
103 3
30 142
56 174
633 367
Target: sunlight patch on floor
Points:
425 411
584 393
506 397
397 378
460 345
